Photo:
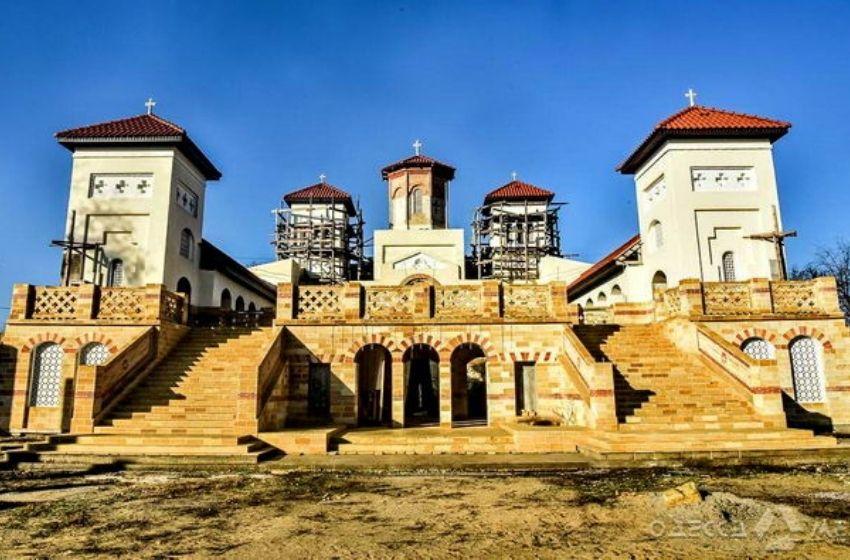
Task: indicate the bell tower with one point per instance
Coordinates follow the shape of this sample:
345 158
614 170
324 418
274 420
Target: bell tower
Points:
417 190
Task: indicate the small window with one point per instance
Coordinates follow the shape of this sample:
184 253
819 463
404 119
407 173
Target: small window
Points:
656 234
414 201
46 387
187 244
116 272
94 354
728 260
758 349
240 304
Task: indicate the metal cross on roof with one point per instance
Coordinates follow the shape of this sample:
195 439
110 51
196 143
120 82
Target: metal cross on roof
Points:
322 177
513 175
417 147
692 96
150 105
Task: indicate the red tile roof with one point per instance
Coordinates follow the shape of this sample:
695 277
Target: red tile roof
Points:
320 193
604 263
517 190
422 162
704 122
141 126
139 131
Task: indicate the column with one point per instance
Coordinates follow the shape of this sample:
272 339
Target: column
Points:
445 393
398 390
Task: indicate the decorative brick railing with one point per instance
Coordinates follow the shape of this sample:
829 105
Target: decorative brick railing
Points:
692 298
486 301
88 303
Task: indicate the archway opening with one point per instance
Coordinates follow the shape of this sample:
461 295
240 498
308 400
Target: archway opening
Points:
374 386
240 304
659 281
422 381
226 300
469 384
185 287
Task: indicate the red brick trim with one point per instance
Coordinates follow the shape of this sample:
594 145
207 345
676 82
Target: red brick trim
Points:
42 338
812 332
468 338
757 332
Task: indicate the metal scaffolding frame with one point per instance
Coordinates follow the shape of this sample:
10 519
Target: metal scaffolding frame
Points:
509 239
325 239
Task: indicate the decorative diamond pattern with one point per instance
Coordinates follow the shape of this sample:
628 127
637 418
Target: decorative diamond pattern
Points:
94 354
319 301
457 301
530 302
55 304
390 302
793 297
47 375
806 370
126 304
727 298
759 349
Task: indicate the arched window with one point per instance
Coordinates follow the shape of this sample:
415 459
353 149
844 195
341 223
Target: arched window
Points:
807 370
758 349
94 354
185 287
602 298
616 294
728 266
240 304
46 375
659 281
187 244
226 300
252 308
655 235
414 201
589 302
116 272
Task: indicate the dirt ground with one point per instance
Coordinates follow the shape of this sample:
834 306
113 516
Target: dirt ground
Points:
754 512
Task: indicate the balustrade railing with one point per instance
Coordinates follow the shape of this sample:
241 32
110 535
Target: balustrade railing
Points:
103 304
753 297
485 301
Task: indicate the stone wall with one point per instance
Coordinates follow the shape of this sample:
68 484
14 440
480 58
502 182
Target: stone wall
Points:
832 336
502 345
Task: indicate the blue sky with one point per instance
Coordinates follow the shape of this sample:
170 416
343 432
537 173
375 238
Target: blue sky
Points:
278 92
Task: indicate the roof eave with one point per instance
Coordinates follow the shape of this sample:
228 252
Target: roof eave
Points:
649 146
183 143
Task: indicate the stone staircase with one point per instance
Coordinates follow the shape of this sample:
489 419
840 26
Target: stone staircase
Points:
668 400
183 412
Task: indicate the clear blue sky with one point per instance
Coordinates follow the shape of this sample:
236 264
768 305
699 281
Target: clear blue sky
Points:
277 92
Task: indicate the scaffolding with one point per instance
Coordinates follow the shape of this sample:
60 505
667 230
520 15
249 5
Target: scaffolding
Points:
78 255
511 237
325 238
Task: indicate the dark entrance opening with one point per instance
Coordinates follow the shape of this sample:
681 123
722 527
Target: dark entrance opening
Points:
469 385
525 377
422 380
374 389
319 391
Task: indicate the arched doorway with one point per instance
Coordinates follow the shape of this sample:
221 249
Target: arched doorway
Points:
226 300
185 287
659 281
422 380
374 385
240 304
469 384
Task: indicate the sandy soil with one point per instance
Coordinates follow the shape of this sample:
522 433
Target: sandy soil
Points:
745 512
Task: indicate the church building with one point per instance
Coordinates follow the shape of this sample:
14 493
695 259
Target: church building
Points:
687 339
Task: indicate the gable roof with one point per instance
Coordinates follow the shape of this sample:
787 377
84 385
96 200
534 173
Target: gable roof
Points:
604 264
322 193
517 190
422 162
213 258
140 130
704 122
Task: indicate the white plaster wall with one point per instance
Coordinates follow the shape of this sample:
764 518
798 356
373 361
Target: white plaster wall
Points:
443 245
